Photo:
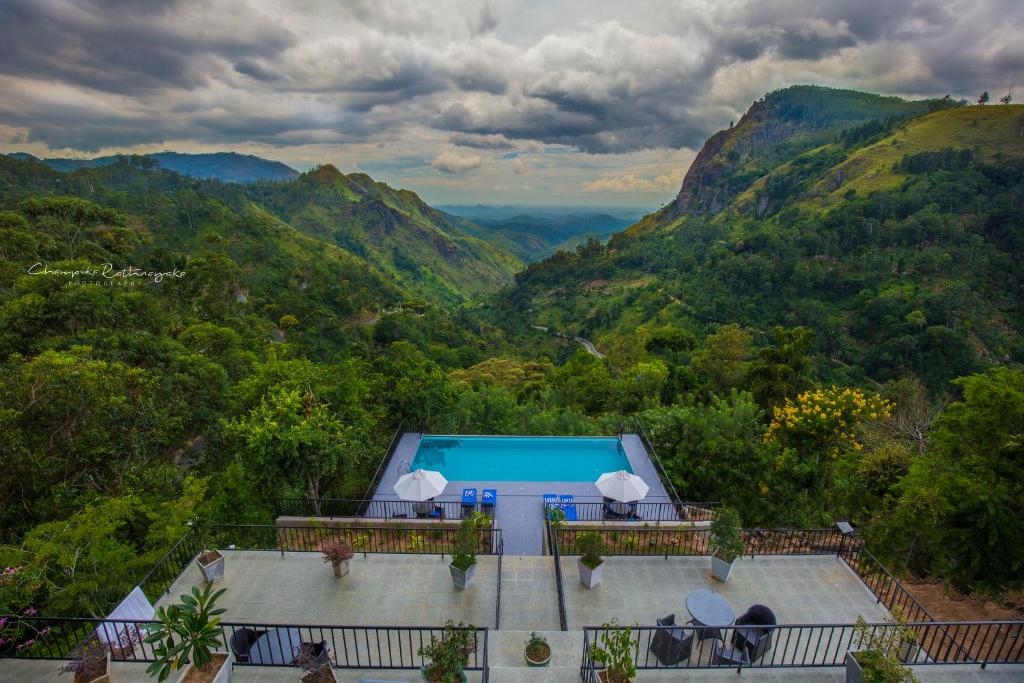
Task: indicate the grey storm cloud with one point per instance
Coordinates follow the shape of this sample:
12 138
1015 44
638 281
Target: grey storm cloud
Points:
88 74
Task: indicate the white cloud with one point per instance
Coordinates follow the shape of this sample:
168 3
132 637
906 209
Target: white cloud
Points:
632 184
452 161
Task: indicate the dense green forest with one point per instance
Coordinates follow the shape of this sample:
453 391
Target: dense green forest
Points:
826 324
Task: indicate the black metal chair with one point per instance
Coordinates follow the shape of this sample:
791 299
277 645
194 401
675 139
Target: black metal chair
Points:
749 637
241 642
671 645
730 656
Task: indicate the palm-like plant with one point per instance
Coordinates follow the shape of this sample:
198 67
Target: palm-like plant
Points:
188 632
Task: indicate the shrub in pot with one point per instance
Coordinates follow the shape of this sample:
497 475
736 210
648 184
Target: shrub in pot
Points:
538 652
590 545
211 564
614 652
315 661
90 663
463 564
186 638
875 657
338 554
448 656
726 543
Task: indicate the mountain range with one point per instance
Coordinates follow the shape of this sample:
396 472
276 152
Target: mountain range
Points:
227 166
889 228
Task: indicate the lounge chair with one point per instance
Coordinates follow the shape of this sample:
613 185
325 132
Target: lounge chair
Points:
671 645
568 503
468 502
751 633
489 502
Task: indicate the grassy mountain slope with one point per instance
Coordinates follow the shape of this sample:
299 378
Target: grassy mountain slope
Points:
423 249
897 240
226 166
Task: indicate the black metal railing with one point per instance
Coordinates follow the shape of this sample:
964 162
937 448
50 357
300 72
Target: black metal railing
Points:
643 511
372 509
351 647
497 601
375 480
662 472
666 541
808 645
168 568
426 539
553 546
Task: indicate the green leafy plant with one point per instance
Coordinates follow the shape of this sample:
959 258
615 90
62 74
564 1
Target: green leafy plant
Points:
188 632
464 548
537 647
614 650
416 541
448 655
726 541
590 545
877 650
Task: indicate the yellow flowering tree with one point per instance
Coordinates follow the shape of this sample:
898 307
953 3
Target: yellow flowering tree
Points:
820 425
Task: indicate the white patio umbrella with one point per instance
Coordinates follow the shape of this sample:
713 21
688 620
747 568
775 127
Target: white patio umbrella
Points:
622 486
420 485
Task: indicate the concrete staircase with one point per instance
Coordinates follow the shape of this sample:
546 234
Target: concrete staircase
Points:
505 656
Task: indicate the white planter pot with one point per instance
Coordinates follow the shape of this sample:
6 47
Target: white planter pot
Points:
853 673
590 577
334 676
720 569
341 568
462 579
214 570
223 676
105 676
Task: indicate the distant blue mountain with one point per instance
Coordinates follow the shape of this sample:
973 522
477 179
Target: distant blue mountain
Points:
226 166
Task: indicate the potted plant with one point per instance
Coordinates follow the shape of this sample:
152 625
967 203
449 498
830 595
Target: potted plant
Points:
448 656
614 652
91 662
538 652
211 564
338 554
186 638
463 564
590 545
315 661
876 657
726 543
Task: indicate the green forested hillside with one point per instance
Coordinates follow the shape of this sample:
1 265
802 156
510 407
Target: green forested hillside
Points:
827 326
226 166
883 257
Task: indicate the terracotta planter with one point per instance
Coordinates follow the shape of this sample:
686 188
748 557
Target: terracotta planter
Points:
213 569
223 674
542 662
102 678
319 675
340 568
590 577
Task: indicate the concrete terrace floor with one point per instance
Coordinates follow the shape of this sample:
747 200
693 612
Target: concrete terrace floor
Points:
380 590
799 589
519 512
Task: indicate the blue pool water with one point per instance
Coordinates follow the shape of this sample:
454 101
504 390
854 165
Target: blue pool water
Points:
521 458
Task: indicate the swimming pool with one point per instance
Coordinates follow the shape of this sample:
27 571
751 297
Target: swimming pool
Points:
521 458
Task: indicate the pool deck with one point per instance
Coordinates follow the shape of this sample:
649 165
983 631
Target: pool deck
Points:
519 513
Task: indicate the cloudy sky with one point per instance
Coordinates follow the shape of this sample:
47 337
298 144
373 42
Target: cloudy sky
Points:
469 101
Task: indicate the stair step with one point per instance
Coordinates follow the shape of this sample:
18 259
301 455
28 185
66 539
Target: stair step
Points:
546 674
506 648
